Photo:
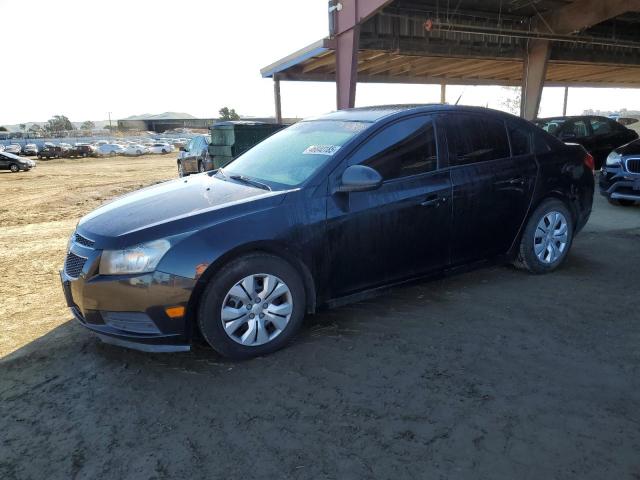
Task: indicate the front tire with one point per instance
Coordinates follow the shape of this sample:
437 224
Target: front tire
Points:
547 238
253 306
14 168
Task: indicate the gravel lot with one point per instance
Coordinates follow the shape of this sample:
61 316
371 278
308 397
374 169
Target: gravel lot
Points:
490 374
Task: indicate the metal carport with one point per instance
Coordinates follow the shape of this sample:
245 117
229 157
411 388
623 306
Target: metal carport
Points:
527 43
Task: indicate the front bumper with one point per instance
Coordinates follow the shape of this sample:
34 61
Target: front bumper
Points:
129 310
617 184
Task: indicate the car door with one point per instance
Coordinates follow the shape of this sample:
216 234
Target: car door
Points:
399 230
4 163
492 188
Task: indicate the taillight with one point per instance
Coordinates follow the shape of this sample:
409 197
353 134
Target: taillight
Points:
588 161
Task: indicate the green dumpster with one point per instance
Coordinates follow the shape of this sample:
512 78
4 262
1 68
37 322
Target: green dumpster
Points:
230 139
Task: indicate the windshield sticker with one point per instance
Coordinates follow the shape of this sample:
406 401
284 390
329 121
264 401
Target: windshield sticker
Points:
321 150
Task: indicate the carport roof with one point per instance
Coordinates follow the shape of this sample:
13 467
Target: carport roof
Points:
411 41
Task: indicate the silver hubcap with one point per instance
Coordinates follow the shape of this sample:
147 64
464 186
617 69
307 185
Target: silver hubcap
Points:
550 238
256 309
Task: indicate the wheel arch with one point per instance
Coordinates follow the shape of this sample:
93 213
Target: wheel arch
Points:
274 248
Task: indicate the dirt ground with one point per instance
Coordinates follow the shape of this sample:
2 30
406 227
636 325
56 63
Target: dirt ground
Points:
493 374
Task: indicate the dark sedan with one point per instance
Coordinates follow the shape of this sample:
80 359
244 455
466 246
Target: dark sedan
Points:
620 176
324 212
599 135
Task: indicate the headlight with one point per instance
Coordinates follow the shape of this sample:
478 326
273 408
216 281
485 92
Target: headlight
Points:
614 159
137 259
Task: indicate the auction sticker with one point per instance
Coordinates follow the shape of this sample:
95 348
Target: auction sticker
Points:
321 150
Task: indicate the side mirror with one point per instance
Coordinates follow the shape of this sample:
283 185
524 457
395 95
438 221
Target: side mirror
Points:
359 178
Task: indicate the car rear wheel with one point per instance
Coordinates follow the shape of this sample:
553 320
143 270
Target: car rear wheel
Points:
252 306
112 154
164 151
624 202
14 168
547 237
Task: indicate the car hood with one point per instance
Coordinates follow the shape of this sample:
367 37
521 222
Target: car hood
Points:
632 148
172 208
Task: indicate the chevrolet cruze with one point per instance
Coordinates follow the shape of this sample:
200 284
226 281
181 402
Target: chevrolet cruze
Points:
324 212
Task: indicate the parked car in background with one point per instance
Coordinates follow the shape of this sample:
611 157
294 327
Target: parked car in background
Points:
30 149
319 214
620 177
51 151
13 148
194 157
82 150
599 135
10 161
110 149
161 148
136 149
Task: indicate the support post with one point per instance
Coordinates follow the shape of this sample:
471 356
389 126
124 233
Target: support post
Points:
535 70
564 105
443 92
276 98
347 67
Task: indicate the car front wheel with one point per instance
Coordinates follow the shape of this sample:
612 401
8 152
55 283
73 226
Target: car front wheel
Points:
253 306
14 168
547 237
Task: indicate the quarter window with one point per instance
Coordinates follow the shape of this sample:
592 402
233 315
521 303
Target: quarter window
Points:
405 148
520 140
473 139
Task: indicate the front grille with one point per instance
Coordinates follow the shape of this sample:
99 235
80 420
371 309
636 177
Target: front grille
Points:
73 265
633 165
84 241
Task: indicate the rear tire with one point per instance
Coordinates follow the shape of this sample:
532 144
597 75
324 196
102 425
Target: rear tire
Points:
220 290
621 202
547 238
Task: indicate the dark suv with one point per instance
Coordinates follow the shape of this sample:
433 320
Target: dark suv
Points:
599 135
51 151
321 213
620 176
81 151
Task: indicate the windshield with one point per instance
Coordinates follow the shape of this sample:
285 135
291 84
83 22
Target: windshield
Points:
292 155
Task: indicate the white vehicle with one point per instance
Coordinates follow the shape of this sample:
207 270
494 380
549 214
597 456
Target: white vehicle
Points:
101 142
136 149
110 149
13 148
161 148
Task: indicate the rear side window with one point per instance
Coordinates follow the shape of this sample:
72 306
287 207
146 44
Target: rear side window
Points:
407 147
520 138
574 128
474 138
600 126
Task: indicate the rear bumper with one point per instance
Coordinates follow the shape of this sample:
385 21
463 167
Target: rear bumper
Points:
129 311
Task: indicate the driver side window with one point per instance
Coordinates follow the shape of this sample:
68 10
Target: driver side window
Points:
403 149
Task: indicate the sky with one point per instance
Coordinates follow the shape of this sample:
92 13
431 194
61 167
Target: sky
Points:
130 57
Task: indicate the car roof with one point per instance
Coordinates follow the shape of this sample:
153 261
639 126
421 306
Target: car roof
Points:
375 113
10 155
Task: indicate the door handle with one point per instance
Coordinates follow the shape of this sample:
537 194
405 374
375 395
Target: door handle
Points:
512 181
433 201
